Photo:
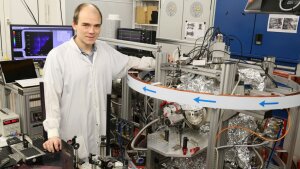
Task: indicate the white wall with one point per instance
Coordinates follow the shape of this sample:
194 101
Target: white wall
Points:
124 8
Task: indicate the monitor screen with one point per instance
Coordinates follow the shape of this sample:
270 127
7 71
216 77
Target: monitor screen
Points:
17 70
36 41
273 6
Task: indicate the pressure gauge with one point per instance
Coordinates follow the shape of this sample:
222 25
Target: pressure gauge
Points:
196 117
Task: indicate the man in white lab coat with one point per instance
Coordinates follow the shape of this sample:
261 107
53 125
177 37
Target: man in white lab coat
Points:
77 78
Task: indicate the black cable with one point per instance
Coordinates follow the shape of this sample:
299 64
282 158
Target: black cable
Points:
209 53
209 39
38 11
61 18
240 42
202 46
27 7
29 11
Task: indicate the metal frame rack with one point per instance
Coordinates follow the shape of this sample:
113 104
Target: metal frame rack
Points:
226 76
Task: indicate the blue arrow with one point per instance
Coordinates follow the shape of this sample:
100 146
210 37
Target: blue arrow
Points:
263 103
198 100
148 90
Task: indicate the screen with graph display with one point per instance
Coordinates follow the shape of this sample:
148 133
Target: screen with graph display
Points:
36 41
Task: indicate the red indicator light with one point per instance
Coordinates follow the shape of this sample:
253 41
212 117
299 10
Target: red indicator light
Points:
6 122
14 120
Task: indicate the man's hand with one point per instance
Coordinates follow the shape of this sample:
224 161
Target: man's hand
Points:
52 144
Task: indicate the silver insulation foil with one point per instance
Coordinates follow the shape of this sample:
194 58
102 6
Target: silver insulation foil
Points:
196 162
272 127
204 129
240 156
197 83
252 77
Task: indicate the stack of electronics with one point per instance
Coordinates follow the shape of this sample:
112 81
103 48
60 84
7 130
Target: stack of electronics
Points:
136 35
9 123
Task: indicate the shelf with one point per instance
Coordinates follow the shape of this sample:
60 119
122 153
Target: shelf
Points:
153 25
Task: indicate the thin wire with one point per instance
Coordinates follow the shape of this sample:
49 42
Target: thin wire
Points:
255 133
116 103
38 11
230 146
5 34
61 18
209 53
1 40
267 74
29 11
139 133
259 157
203 47
236 85
240 42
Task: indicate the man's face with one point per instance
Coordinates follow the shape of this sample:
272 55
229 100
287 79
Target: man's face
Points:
88 26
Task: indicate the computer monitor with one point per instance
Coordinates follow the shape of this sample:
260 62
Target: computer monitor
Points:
274 6
17 70
36 41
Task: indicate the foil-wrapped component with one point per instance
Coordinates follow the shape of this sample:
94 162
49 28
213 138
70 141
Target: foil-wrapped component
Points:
205 128
196 114
187 77
252 77
272 127
230 156
240 155
187 107
240 136
196 162
243 157
198 83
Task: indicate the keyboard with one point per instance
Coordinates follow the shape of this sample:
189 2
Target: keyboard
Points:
29 82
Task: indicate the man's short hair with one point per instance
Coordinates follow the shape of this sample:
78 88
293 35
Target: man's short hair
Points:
78 9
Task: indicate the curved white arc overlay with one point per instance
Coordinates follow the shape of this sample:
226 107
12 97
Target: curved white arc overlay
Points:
214 101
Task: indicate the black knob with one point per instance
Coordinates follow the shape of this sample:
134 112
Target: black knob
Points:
76 146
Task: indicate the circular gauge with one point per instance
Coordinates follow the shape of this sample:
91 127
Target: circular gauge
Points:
171 9
196 118
196 9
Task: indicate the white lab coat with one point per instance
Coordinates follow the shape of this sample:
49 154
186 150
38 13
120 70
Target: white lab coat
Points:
76 90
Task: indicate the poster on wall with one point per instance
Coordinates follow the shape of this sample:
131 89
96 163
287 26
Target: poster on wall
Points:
283 23
194 30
